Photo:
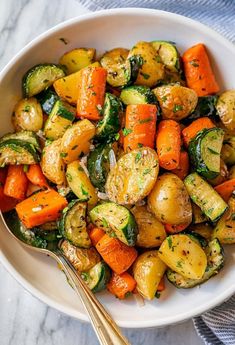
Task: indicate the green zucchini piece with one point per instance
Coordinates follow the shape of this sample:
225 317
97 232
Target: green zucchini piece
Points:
203 194
228 149
116 220
97 277
118 67
47 231
40 77
72 224
215 261
47 99
14 151
98 165
60 118
206 107
27 136
110 124
168 54
19 230
137 94
204 152
199 239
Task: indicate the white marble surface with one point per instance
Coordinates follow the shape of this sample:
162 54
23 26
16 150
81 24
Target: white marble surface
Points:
24 319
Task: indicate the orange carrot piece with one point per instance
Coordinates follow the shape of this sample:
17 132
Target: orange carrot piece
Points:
183 168
198 71
40 208
140 126
161 285
16 182
121 285
226 189
6 203
173 229
116 254
168 144
95 235
35 176
91 92
194 128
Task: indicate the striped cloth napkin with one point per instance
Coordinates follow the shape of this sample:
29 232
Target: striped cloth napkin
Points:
216 327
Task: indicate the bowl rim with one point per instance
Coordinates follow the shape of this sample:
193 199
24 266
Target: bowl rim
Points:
3 259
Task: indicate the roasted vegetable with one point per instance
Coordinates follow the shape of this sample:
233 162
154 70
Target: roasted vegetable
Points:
116 221
183 255
228 149
47 99
215 261
226 109
137 94
203 229
148 270
176 101
169 55
198 215
76 59
27 115
206 107
97 277
133 176
202 194
16 151
52 164
72 224
162 200
151 231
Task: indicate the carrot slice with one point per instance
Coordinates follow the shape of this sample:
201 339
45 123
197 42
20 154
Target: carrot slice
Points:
116 254
161 285
140 126
91 92
198 71
183 168
121 285
173 229
168 144
16 182
194 128
226 189
6 203
35 176
40 208
95 235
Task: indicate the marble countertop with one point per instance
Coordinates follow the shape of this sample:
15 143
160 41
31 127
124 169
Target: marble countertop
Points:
24 319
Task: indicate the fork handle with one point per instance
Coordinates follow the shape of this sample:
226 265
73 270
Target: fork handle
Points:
104 326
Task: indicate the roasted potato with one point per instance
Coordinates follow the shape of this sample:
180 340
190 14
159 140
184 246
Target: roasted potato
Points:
169 200
223 175
148 270
203 229
232 172
133 176
152 69
76 59
176 101
183 255
76 140
80 183
28 115
226 109
52 164
228 149
151 231
225 228
82 259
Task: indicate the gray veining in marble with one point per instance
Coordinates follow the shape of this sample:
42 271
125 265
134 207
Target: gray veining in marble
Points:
24 320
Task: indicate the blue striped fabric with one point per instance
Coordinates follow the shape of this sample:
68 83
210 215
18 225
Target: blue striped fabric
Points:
216 327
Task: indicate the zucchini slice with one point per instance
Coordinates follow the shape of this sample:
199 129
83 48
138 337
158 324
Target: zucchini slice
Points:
98 165
47 231
72 224
206 107
203 194
215 261
60 118
204 152
47 99
118 67
27 136
97 277
40 77
110 124
203 229
168 54
137 94
14 151
116 220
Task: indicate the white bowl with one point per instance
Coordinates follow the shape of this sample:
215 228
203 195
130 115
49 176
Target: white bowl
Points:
105 30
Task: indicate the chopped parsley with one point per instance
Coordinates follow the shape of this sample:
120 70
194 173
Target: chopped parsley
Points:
179 264
64 40
63 154
27 108
149 119
84 192
146 171
140 145
126 131
105 223
145 75
138 157
169 241
164 98
194 63
212 151
69 177
177 107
